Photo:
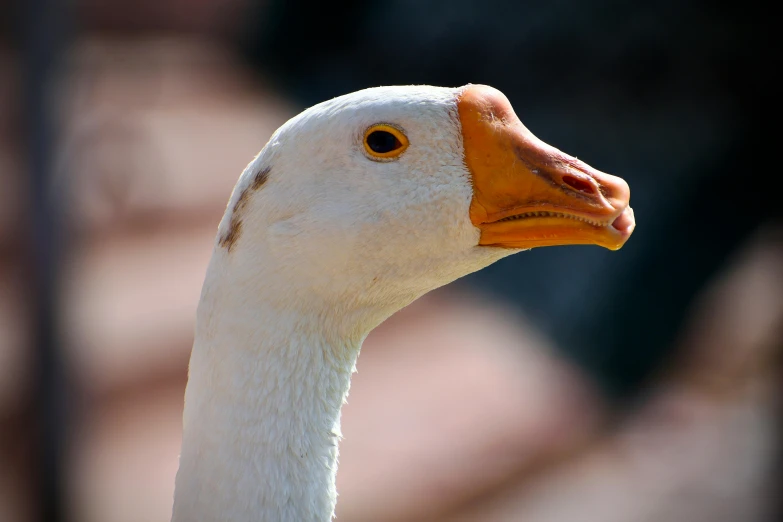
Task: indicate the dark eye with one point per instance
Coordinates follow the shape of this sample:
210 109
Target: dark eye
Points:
384 142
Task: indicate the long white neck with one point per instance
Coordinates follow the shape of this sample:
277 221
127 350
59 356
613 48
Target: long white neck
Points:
262 413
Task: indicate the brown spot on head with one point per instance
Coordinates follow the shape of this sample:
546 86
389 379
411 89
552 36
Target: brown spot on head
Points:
228 239
260 178
231 236
241 201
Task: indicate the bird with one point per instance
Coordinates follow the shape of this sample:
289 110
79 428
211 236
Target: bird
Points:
352 210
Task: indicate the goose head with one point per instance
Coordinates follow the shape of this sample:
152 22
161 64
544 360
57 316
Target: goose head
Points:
369 200
352 210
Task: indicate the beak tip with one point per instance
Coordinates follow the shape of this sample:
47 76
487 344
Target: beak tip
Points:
624 224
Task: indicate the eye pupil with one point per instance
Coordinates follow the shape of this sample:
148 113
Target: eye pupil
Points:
381 141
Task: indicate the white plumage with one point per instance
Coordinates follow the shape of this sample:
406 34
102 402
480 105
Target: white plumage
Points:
320 243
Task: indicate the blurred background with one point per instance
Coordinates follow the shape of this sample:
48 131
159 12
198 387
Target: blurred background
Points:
565 384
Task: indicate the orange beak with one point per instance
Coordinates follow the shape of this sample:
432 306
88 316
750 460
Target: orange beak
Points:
528 194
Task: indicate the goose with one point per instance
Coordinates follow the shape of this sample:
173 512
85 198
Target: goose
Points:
352 210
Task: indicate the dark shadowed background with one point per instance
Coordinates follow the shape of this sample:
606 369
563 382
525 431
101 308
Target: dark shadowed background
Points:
562 384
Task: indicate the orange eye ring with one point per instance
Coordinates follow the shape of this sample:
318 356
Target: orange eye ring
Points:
384 142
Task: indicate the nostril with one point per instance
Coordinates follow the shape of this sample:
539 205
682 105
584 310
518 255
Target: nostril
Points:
579 184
